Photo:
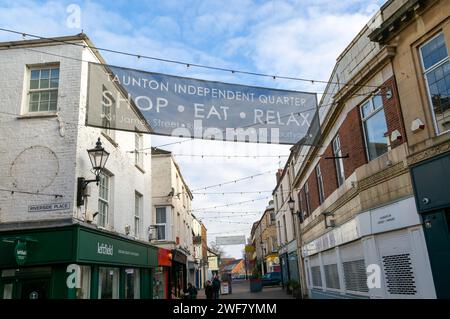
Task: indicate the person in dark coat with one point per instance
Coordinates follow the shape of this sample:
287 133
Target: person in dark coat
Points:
216 287
209 290
192 291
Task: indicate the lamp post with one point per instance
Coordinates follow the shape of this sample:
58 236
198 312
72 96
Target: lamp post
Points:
98 157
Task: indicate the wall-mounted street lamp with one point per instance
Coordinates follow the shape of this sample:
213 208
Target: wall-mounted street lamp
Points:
98 157
291 204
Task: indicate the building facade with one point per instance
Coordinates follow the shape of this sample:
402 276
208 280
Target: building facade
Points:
265 240
204 257
285 223
420 33
173 220
197 277
47 235
358 218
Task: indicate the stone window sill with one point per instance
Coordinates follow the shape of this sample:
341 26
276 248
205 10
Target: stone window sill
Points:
37 115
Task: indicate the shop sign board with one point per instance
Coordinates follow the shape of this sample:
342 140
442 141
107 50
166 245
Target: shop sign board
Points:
139 101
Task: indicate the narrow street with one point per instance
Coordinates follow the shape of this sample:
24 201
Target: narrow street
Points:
241 290
151 149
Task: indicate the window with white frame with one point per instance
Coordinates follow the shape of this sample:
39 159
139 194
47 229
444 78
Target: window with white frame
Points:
161 223
138 145
103 199
285 229
43 89
436 66
338 162
279 232
108 108
137 213
375 127
320 184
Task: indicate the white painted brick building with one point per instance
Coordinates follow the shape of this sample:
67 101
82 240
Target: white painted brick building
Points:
45 151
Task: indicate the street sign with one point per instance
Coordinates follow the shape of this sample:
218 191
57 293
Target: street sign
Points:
225 288
134 100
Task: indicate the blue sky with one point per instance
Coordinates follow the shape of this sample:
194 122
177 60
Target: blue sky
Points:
300 38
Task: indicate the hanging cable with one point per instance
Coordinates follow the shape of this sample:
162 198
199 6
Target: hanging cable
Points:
12 191
231 204
226 193
215 68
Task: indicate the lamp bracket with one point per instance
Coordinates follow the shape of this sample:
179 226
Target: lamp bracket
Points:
81 186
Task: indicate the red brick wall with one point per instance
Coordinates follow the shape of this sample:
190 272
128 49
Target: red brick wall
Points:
328 169
352 142
392 111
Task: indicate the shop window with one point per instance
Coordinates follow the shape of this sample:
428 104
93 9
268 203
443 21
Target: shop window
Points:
108 283
159 284
436 67
316 277
43 89
7 291
84 292
375 127
332 276
338 162
132 284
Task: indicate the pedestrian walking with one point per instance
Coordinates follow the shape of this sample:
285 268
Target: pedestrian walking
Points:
209 290
192 291
216 287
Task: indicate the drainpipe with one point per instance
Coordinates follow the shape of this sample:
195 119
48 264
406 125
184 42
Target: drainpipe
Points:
303 287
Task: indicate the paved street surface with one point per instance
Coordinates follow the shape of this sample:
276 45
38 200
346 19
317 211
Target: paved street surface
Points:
241 290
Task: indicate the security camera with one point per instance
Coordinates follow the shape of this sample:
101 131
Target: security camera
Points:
425 201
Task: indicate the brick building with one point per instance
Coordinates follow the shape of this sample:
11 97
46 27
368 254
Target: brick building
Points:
420 33
355 212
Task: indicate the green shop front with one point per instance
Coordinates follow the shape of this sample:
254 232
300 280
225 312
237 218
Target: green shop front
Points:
74 262
431 181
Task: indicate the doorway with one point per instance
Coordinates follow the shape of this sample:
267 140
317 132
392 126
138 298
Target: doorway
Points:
35 288
437 235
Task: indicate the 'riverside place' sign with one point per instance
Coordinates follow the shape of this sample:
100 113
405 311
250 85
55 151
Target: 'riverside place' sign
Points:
133 100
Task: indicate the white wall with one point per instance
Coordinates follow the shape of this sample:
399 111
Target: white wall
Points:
180 221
